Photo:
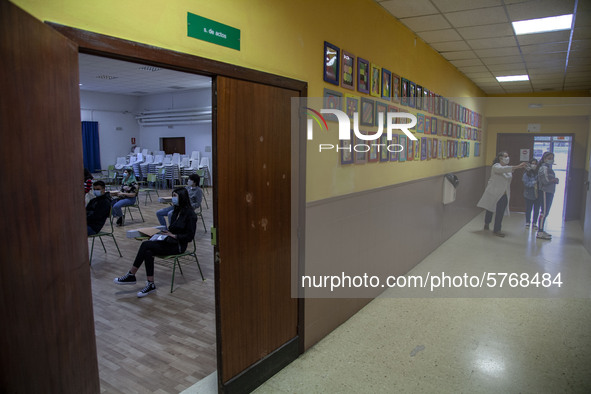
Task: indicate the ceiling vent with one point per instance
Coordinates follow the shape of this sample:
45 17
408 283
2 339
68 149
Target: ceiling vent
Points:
149 68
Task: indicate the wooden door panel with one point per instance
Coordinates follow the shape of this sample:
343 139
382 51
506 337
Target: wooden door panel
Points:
512 144
48 343
255 313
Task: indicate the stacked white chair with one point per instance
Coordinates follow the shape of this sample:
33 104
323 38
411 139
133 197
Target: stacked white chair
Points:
204 164
172 174
145 166
137 150
121 163
145 152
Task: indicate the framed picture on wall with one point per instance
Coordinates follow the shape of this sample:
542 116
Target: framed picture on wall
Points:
373 154
359 155
384 154
417 145
346 151
375 80
386 84
331 63
419 98
424 148
420 123
427 125
426 99
395 88
348 70
367 112
362 75
394 154
332 100
410 150
412 93
351 105
383 109
435 148
404 91
402 153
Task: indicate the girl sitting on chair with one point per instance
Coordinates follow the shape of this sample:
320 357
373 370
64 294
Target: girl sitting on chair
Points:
180 232
126 195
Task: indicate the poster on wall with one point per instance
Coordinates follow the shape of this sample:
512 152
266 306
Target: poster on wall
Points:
331 63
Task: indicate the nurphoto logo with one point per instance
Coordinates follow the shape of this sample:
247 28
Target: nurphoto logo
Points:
345 130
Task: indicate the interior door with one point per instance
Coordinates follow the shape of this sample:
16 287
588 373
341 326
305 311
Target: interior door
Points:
587 219
47 342
172 145
257 320
512 144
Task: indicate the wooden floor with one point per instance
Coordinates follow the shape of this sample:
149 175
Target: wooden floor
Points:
162 343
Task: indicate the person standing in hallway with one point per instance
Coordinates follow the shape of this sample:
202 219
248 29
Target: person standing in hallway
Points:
547 187
498 191
531 195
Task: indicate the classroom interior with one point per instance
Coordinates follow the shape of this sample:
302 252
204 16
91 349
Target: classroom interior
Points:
358 216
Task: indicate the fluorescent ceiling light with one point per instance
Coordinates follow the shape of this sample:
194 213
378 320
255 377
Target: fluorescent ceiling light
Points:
513 78
542 25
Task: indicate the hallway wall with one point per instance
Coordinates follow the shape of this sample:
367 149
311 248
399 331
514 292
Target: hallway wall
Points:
386 231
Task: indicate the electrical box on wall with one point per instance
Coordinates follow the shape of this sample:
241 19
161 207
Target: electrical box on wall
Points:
534 127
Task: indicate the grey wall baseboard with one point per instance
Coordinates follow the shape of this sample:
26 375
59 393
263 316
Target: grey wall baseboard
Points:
382 231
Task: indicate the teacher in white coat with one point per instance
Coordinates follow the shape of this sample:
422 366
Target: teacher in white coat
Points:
498 191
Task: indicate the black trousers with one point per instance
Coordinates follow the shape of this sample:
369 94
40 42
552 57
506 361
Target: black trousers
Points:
546 202
149 249
500 212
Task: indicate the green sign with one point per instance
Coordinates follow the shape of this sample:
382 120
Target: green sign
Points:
211 31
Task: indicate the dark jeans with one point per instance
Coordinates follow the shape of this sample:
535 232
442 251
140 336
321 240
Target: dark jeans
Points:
500 212
529 204
545 204
149 249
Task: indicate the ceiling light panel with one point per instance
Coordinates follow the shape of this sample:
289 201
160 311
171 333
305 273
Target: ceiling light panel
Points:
533 26
512 78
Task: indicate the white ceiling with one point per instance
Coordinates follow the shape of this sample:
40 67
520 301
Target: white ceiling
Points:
477 37
101 74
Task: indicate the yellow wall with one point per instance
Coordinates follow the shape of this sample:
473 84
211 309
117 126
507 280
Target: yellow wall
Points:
285 37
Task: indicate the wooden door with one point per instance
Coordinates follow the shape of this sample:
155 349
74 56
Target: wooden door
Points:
587 218
173 145
512 144
47 342
257 320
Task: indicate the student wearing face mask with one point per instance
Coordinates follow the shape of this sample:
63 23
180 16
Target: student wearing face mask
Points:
97 210
126 195
530 193
498 191
195 196
547 187
180 232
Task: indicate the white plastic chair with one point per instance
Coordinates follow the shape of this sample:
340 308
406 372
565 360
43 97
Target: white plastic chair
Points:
145 152
185 162
158 159
176 159
121 163
137 150
167 160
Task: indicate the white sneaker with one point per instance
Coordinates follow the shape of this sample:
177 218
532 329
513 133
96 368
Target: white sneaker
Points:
543 235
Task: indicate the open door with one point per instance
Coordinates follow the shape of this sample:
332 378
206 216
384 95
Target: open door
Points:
48 343
257 320
513 144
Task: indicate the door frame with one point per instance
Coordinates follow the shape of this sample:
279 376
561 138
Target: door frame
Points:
120 49
569 182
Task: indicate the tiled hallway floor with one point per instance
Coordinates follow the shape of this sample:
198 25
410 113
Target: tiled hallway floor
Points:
436 345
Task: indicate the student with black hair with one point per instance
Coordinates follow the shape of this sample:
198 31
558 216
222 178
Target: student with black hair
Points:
531 195
180 232
195 195
547 187
98 209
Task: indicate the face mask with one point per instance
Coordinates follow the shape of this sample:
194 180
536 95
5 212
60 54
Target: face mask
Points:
505 160
175 201
125 174
97 193
190 183
550 161
532 166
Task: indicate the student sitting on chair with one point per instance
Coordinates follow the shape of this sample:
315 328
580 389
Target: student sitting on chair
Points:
126 196
180 232
195 195
97 210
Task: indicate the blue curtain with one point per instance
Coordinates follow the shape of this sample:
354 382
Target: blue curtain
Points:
90 146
